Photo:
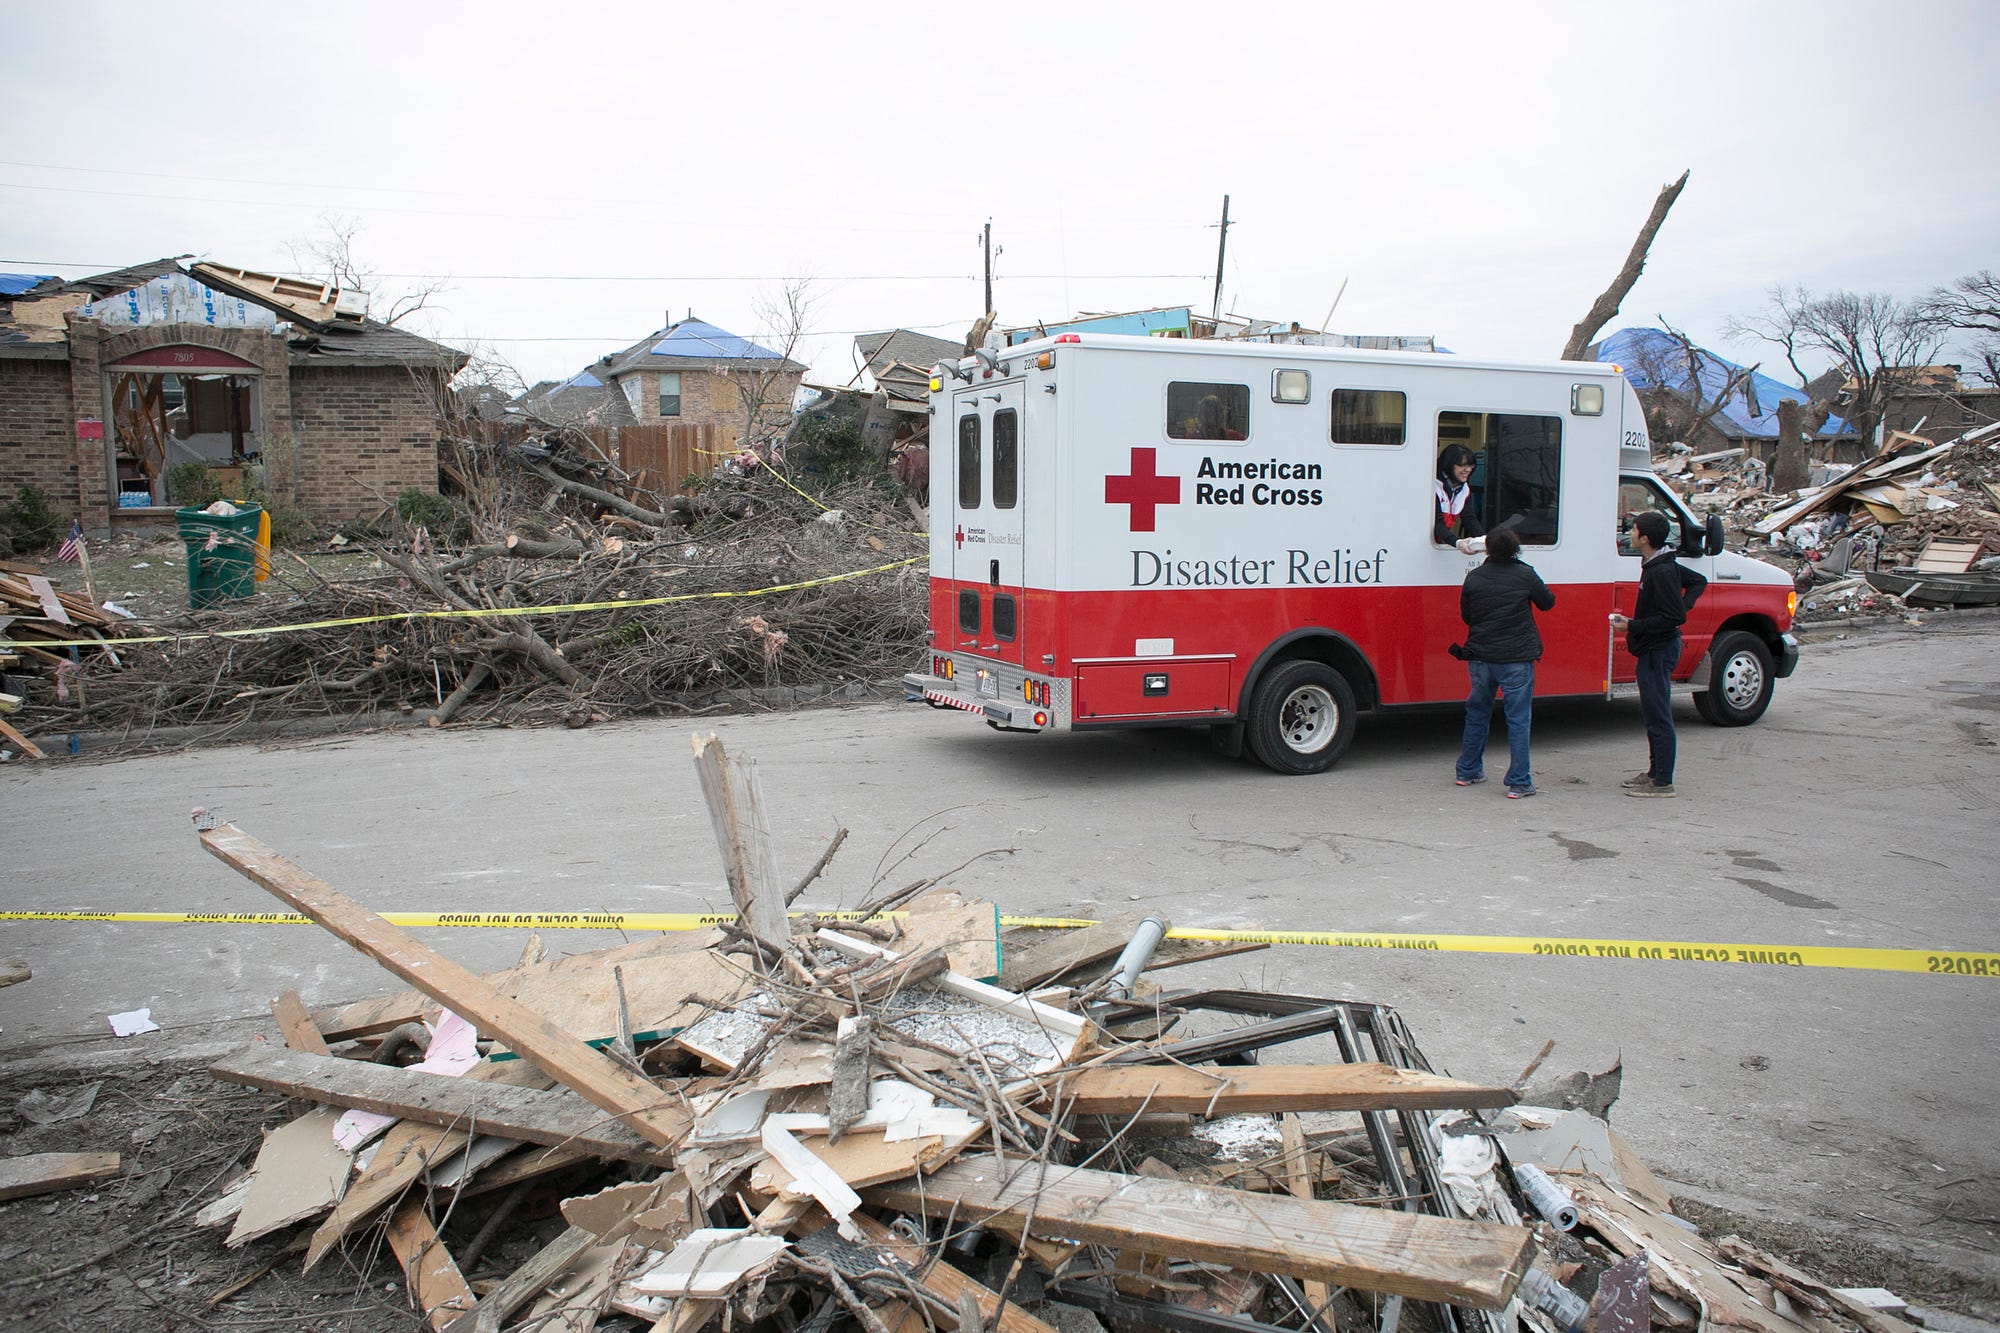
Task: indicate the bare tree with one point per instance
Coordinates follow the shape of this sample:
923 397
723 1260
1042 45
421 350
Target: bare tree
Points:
1872 339
330 257
765 386
1972 305
1606 305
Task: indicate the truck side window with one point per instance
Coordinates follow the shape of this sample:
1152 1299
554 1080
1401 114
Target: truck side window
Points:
1634 499
1520 478
1368 416
968 462
1208 411
1006 458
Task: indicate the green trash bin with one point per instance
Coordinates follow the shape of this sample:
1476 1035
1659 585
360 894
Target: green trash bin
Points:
221 553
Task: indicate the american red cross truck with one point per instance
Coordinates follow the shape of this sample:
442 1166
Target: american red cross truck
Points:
1131 532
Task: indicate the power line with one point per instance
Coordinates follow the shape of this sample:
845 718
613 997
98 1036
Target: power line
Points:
696 277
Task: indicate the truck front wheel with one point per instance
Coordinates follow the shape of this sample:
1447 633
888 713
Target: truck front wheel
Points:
1301 718
1740 681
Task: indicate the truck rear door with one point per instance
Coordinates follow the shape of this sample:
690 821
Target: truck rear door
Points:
988 523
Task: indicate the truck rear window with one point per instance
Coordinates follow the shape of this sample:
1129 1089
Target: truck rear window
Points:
1197 411
968 462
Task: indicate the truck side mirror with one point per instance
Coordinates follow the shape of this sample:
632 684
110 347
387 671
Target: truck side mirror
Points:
1714 534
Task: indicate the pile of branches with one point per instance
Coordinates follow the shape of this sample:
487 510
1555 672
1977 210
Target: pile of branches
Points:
767 587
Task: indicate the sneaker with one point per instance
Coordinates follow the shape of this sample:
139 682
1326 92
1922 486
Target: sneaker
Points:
1521 793
1470 782
1651 789
1642 780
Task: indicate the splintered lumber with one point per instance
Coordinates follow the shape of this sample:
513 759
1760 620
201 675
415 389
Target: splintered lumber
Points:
524 1283
1376 1249
47 1172
533 1115
542 986
1246 1089
435 1285
296 1024
946 1283
635 1101
736 809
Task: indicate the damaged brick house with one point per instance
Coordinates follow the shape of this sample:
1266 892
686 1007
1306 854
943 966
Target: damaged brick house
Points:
109 382
690 373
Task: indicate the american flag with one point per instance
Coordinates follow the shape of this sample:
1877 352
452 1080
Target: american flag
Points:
72 545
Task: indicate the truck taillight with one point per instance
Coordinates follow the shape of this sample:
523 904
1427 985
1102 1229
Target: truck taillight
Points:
1068 338
941 666
1791 603
1035 692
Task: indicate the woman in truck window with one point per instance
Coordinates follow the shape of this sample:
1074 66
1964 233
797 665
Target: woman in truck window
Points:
1455 518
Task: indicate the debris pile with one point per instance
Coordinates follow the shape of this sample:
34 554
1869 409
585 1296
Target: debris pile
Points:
663 603
1879 515
878 1122
32 611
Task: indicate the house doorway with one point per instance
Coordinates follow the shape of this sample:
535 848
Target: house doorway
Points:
178 405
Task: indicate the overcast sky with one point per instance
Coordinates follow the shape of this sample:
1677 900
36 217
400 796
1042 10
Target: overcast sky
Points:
580 174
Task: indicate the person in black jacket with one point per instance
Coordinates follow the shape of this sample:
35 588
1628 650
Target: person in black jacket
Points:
1653 635
1497 604
1454 516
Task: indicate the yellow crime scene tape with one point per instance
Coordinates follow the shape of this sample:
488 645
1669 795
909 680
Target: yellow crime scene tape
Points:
474 613
1933 962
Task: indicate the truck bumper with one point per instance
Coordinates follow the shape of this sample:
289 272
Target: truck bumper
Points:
1787 658
942 693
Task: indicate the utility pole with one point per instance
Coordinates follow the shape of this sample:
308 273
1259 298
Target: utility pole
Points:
1221 246
989 267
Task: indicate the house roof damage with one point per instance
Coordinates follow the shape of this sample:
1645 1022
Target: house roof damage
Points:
1654 360
323 326
905 1117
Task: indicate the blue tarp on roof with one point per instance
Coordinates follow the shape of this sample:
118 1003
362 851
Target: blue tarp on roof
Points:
703 341
13 284
583 379
1652 359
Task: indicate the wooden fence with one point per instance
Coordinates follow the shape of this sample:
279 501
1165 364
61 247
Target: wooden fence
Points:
658 457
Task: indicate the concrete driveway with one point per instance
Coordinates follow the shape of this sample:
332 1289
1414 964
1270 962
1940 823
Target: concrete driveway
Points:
1860 812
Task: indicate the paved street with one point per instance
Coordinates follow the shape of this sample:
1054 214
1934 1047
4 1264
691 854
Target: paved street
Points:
1860 811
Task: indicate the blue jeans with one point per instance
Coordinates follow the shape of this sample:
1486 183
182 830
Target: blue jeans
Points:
1656 706
1516 682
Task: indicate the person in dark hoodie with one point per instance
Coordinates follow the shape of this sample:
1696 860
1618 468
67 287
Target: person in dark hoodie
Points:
1653 635
1454 517
1498 603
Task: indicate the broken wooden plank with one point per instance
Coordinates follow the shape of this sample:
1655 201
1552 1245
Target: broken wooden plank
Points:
46 1172
300 1173
1299 1180
1409 1254
533 1115
524 1283
736 809
946 1283
1246 1089
542 986
635 1101
28 747
296 1024
405 1154
13 974
435 1285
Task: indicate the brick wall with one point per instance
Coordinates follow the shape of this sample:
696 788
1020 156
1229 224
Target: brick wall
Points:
37 438
360 437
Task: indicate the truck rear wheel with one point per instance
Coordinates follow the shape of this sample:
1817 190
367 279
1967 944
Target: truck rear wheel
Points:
1740 681
1301 718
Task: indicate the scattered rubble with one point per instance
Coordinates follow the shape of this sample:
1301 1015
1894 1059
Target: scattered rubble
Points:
1880 515
852 1122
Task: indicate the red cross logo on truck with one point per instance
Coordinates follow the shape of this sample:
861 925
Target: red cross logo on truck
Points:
1143 489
